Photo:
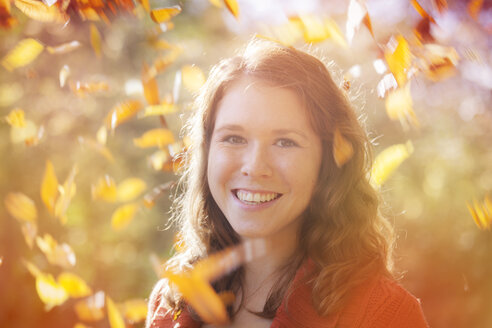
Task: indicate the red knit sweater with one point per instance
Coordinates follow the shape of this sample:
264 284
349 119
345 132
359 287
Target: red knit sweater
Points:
381 302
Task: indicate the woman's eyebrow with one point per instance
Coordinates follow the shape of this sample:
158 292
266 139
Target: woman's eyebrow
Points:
289 131
230 127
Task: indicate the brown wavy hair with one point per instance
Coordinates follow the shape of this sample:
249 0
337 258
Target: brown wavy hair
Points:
343 232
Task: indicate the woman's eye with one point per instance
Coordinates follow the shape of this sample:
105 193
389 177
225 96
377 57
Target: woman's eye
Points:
286 143
234 139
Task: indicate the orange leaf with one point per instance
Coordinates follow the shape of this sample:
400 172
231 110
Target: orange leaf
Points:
399 106
6 20
104 189
114 315
151 90
95 40
422 11
129 189
164 14
64 48
399 60
233 7
145 4
122 113
23 54
49 187
123 215
61 255
16 118
91 308
21 207
155 138
67 191
388 161
37 10
193 77
342 149
101 149
474 7
441 5
135 310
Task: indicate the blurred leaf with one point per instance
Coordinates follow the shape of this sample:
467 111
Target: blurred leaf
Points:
342 148
162 109
233 7
155 138
67 191
114 315
37 10
33 269
29 231
217 3
50 292
441 5
61 255
91 308
20 207
122 112
227 297
422 11
150 197
23 54
129 189
317 30
135 310
386 84
102 135
356 14
16 118
158 159
6 20
388 160
151 90
104 189
123 215
64 48
474 7
193 77
163 15
64 74
96 146
399 106
145 4
82 88
95 37
74 285
399 60
482 213
49 187
439 62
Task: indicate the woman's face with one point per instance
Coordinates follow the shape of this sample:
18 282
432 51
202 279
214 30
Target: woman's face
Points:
264 159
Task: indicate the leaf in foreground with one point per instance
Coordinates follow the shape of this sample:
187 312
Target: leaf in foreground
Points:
388 161
104 189
129 189
233 7
114 315
50 292
399 59
155 138
193 77
23 54
37 10
163 15
21 207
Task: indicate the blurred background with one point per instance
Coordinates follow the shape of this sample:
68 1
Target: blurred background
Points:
95 93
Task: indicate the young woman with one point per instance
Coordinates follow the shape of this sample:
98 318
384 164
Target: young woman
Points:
262 166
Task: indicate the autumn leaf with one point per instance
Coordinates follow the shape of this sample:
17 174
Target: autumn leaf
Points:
441 5
386 84
399 106
123 215
155 138
114 315
438 62
233 7
122 112
193 77
317 30
342 148
422 11
37 10
388 161
356 14
399 59
81 89
96 146
135 310
64 74
91 308
145 5
67 191
74 285
474 7
49 187
102 135
49 291
16 118
95 37
23 54
150 197
158 159
64 48
150 87
29 231
104 189
163 15
6 20
481 213
161 109
57 254
129 189
20 207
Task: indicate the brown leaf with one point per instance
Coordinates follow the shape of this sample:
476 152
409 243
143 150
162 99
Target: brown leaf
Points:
163 15
21 207
122 112
6 20
23 54
441 5
439 62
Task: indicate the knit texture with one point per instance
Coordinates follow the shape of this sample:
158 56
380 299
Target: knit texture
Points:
379 303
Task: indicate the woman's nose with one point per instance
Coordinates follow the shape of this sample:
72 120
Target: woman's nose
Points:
256 162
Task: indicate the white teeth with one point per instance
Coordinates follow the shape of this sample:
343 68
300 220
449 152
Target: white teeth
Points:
255 197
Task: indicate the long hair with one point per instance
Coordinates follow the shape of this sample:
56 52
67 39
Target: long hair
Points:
342 232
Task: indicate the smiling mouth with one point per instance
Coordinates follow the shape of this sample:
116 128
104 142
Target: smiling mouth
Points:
254 198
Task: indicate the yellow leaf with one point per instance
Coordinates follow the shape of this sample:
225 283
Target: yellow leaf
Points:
233 7
74 285
101 149
388 161
155 138
16 118
49 291
104 189
61 255
158 159
193 77
122 112
342 148
67 191
162 109
37 10
317 30
399 106
129 189
216 3
114 315
64 48
91 308
49 187
227 297
124 215
164 14
135 310
29 231
145 4
150 87
21 207
95 40
482 213
23 54
399 60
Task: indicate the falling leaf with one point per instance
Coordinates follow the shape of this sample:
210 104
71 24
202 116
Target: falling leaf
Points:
161 109
163 62
233 7
388 161
399 106
64 74
474 7
114 315
145 4
482 213
356 14
37 10
16 118
129 189
439 62
81 89
342 149
29 231
23 54
49 187
64 48
193 77
422 11
151 90
317 30
91 308
94 145
423 31
67 191
123 215
33 269
122 113
386 84
104 189
158 159
399 60
135 310
149 198
155 138
286 34
163 15
74 285
95 40
21 207
6 20
57 254
49 291
441 5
